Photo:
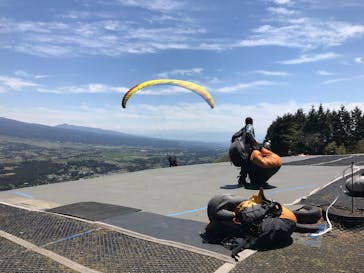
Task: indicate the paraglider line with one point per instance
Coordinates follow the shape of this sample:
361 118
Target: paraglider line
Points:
186 211
328 220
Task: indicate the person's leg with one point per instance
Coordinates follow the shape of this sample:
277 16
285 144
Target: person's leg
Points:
243 175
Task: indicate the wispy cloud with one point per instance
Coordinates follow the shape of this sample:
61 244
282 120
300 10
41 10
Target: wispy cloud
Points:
336 80
181 72
114 37
167 26
324 5
16 83
325 73
92 88
272 73
359 60
244 86
157 5
281 11
163 90
303 33
354 78
24 74
281 2
311 58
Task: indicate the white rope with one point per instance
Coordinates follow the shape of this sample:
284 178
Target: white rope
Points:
328 220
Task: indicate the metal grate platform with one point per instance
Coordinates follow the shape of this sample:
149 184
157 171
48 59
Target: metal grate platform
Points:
16 259
108 251
37 227
97 248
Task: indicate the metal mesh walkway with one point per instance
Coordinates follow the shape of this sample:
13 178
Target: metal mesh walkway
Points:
90 245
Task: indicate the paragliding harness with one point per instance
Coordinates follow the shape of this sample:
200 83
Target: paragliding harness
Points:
251 217
258 227
239 153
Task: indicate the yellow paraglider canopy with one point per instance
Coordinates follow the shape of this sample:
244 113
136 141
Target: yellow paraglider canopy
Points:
185 84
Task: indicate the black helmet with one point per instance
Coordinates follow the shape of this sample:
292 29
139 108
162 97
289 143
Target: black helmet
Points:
248 120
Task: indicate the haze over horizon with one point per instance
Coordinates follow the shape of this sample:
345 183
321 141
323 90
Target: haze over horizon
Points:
72 61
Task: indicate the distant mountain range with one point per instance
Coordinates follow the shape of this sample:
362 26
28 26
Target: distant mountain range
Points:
87 135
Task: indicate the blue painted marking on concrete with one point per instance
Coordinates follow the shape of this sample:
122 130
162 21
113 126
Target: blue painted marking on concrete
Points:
186 211
293 188
24 195
73 236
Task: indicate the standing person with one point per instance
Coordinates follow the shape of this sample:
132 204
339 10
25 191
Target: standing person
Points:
172 161
247 135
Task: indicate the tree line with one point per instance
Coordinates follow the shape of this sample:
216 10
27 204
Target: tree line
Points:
319 131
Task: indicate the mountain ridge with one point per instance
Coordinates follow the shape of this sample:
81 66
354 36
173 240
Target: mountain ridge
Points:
87 135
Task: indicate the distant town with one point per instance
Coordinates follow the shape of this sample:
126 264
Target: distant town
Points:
25 162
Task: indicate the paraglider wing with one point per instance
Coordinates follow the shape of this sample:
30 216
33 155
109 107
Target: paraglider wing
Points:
185 84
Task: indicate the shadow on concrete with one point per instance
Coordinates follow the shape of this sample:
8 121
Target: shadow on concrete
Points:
249 186
230 187
265 186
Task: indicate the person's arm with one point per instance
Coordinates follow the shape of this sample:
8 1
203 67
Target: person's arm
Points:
250 135
251 138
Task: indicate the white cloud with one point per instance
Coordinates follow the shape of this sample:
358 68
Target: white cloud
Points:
21 73
354 78
156 5
325 73
336 80
359 60
16 83
244 86
281 2
181 72
162 90
281 11
91 88
165 31
311 58
303 33
272 73
2 90
114 37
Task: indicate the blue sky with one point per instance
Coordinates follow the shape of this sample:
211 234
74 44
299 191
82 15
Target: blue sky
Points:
72 61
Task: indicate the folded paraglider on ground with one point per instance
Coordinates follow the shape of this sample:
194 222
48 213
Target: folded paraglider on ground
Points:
255 223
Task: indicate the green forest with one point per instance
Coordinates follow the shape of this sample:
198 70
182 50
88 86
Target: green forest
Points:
320 131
